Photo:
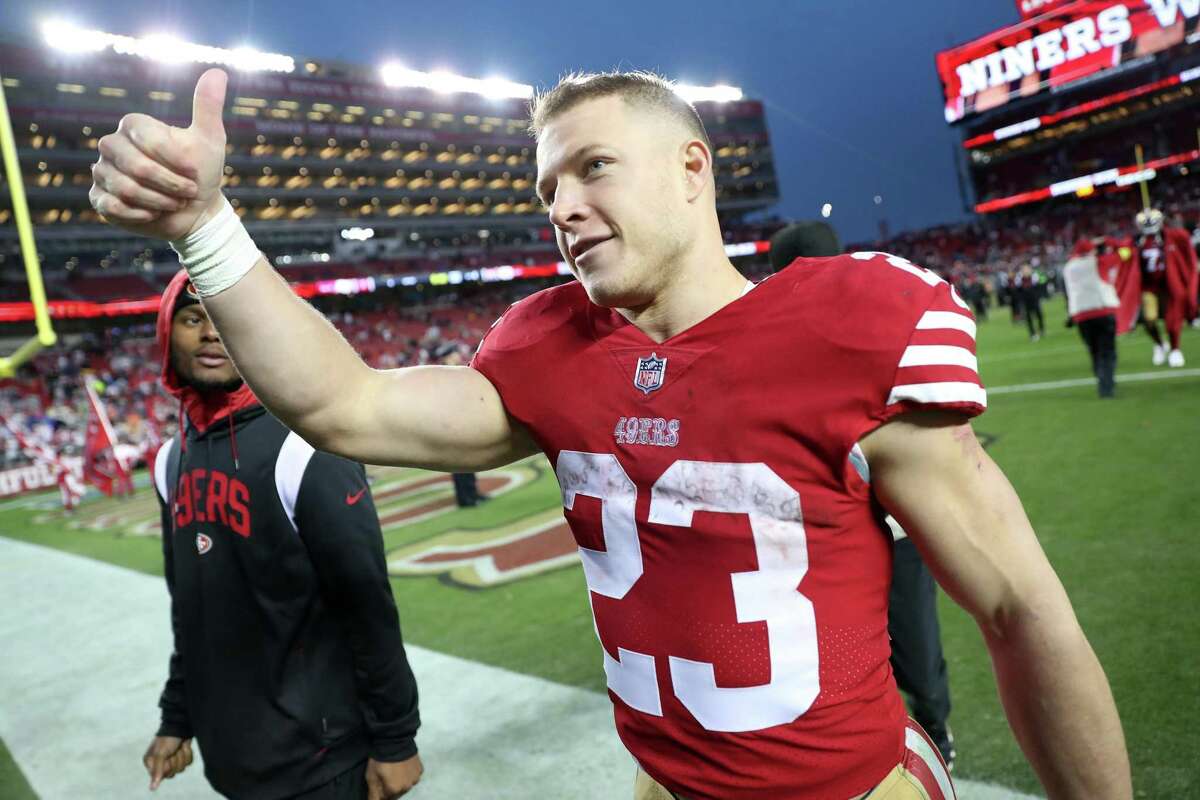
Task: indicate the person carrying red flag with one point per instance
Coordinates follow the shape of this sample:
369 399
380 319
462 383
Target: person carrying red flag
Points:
102 467
1161 271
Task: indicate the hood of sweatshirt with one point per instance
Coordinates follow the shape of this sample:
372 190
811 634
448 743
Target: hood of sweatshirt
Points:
203 409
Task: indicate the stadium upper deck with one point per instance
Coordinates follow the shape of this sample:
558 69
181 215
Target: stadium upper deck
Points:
317 154
1053 106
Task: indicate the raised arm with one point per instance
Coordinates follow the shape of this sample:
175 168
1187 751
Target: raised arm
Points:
930 472
164 182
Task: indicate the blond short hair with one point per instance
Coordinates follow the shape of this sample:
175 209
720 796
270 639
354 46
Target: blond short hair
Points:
645 90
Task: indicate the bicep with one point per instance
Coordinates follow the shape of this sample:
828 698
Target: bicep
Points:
436 417
931 473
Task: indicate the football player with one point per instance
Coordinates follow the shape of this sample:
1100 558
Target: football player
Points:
1167 269
726 454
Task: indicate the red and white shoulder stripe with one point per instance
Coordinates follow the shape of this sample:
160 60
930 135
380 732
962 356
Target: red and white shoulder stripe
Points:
924 765
938 368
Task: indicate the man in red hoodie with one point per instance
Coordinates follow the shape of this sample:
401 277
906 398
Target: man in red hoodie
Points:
288 669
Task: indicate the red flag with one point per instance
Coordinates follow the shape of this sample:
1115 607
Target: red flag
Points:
102 467
1119 265
1182 279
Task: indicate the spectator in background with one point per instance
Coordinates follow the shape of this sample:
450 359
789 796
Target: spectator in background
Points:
1092 304
466 484
1028 292
288 666
975 291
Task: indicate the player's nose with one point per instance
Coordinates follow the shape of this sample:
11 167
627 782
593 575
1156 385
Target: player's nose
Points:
568 208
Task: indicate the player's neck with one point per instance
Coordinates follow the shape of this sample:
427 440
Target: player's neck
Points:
693 296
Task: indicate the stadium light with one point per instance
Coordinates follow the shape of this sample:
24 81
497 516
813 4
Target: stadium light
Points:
443 82
708 94
163 48
358 234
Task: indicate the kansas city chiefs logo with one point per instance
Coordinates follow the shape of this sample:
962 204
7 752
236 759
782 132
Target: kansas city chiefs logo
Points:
203 543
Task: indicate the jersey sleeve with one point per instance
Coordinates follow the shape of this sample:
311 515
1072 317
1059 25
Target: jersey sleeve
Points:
488 356
938 369
520 345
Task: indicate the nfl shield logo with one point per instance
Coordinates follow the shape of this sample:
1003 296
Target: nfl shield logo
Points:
650 373
203 543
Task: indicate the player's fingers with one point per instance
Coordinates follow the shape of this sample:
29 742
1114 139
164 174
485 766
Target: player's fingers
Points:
113 210
174 766
123 153
130 192
169 146
374 786
157 765
187 751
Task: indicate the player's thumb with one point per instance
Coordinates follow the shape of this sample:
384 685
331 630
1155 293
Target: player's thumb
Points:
209 103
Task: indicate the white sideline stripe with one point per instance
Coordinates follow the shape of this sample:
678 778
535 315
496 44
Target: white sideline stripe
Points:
1134 377
944 392
85 655
938 355
85 650
946 320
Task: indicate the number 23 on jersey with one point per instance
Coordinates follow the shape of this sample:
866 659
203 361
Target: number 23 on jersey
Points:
768 594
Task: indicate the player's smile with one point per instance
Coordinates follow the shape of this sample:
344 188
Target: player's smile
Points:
584 248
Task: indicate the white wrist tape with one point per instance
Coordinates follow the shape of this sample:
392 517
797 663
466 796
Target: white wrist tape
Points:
219 254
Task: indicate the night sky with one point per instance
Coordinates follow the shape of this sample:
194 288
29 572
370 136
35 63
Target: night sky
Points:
853 100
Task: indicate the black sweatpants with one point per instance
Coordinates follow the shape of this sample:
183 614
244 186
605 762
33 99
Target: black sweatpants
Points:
1100 336
1033 311
917 657
466 489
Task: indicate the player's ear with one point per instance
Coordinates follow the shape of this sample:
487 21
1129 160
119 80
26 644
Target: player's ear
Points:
697 168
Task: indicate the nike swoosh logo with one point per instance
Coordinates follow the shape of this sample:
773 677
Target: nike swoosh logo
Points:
351 499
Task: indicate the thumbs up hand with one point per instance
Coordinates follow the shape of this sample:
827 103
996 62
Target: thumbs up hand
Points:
159 180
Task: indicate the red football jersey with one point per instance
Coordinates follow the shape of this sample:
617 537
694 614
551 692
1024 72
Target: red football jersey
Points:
738 568
1153 262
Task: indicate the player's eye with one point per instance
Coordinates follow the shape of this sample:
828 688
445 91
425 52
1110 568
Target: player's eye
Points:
595 164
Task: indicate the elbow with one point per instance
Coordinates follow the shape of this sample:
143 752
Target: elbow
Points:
1038 619
329 438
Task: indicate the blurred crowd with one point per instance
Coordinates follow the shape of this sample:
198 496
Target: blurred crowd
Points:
985 257
1009 259
48 404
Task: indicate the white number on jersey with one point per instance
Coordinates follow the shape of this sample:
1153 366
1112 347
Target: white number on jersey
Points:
768 594
1152 258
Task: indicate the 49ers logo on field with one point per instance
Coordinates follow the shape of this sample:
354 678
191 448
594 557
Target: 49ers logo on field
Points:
484 551
474 548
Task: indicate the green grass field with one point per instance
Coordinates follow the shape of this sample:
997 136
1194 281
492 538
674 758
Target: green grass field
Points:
1111 487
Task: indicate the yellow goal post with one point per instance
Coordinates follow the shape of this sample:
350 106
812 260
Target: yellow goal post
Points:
45 336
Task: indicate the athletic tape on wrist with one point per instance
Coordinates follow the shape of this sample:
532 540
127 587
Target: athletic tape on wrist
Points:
219 254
